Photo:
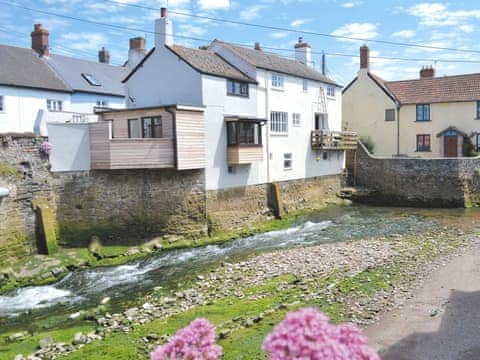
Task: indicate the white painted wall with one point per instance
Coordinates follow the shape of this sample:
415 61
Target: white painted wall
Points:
218 105
164 79
70 147
292 99
85 102
22 108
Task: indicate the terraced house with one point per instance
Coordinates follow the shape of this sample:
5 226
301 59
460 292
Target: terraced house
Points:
426 117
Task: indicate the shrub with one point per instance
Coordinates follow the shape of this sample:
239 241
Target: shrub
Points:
368 142
307 334
195 342
468 148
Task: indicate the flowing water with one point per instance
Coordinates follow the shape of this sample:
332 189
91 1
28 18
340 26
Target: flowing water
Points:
125 283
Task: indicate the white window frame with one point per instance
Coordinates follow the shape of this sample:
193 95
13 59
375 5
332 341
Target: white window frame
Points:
279 123
278 81
54 105
2 104
296 119
331 91
305 85
287 161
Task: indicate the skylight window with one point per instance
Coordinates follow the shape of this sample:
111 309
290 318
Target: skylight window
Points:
91 79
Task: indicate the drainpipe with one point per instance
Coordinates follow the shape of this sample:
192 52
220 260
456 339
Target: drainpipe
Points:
267 142
174 134
398 128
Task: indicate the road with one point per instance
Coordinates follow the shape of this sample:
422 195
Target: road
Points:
441 321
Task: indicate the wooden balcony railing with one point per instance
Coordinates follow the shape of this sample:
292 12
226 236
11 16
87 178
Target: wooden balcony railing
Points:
333 140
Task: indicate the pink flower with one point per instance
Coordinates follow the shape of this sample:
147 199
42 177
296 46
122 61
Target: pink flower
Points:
308 335
195 342
46 148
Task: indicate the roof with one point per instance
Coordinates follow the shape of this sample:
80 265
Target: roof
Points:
456 88
451 129
24 68
263 60
210 63
71 69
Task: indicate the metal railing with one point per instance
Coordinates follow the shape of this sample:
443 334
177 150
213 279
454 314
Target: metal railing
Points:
334 140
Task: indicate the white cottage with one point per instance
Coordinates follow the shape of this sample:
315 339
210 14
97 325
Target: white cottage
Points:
267 118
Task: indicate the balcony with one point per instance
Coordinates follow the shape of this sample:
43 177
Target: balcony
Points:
333 140
244 140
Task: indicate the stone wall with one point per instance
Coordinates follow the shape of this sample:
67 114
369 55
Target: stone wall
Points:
438 182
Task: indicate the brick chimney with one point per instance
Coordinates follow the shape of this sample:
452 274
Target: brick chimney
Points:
303 52
40 40
136 52
427 72
258 46
104 56
163 30
365 57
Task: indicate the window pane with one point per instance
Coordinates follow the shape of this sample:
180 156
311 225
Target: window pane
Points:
133 132
157 127
1 103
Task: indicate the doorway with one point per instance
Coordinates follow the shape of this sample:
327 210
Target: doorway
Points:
321 121
450 146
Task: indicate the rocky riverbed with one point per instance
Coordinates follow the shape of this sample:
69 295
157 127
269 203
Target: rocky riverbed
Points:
352 281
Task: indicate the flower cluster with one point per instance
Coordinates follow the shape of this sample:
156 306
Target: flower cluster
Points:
46 148
307 334
195 342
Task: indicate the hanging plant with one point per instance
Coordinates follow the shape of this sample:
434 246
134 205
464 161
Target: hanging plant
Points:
46 148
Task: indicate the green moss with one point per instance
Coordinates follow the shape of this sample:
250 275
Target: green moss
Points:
9 171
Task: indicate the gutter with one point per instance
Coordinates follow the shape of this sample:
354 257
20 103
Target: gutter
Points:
174 130
398 127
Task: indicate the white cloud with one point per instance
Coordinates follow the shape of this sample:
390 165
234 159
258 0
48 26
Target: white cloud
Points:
467 28
404 34
278 35
84 41
357 30
214 4
191 30
299 22
251 12
438 14
352 4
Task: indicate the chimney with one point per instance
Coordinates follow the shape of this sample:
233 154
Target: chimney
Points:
365 57
40 40
163 30
258 46
427 72
104 56
303 52
136 52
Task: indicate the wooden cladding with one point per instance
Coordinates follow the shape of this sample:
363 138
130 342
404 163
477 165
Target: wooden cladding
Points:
238 155
181 145
334 140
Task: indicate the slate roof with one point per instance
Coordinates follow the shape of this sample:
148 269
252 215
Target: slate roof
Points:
22 67
264 60
71 69
456 88
208 62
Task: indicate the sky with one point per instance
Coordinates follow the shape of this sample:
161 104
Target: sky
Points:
454 24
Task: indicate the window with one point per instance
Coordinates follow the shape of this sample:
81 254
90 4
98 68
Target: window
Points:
2 106
305 85
152 127
277 81
237 88
279 122
133 129
54 105
244 133
295 119
331 91
91 79
477 141
232 170
423 142
102 103
423 112
478 110
321 121
287 161
390 115
112 129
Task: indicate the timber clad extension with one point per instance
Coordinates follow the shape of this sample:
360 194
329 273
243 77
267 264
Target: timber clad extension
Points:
180 144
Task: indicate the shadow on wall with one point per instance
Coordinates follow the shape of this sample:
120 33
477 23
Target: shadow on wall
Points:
126 207
457 338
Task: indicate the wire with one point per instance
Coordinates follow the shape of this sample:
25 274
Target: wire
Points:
298 31
239 44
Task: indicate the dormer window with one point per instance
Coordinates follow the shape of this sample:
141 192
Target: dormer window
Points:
237 88
91 79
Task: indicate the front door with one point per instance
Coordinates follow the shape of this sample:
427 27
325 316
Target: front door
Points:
451 146
321 121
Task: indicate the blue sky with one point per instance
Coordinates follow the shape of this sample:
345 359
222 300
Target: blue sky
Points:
454 24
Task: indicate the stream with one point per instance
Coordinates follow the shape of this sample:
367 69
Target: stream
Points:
125 283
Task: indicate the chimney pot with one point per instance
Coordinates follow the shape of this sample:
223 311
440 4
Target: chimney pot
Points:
365 57
427 72
163 12
104 56
258 46
303 52
39 37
